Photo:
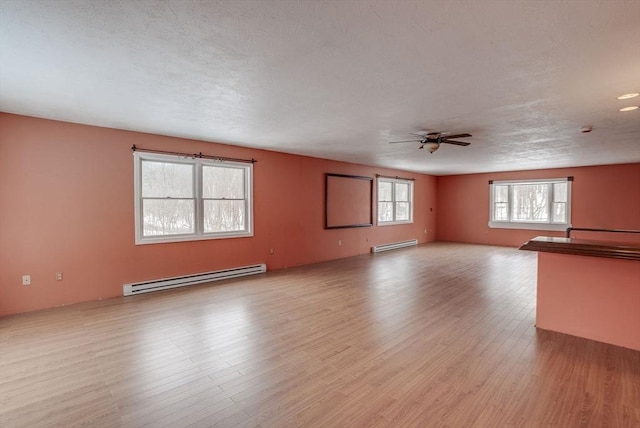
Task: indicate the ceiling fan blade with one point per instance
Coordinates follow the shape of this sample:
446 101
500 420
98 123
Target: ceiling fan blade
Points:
457 143
457 136
405 141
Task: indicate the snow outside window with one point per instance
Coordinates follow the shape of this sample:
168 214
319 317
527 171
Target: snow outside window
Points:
183 198
531 204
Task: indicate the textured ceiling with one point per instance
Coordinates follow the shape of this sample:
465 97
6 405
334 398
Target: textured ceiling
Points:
339 79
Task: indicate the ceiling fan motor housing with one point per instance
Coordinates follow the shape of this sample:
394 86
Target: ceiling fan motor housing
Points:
432 140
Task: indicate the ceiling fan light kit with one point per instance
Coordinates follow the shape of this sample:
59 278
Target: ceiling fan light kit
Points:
432 147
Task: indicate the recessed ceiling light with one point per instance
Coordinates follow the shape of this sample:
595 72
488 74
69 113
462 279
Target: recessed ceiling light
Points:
629 108
627 96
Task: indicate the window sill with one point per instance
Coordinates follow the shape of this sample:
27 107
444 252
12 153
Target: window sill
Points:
393 223
528 226
187 238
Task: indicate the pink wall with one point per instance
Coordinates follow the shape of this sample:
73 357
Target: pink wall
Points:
592 297
66 204
602 197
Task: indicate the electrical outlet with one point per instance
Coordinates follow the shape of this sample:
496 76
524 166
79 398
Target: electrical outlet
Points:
339 242
58 276
26 279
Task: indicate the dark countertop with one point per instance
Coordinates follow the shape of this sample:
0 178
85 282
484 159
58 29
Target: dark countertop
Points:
583 247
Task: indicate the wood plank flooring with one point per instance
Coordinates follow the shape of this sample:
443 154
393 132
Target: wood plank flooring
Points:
441 335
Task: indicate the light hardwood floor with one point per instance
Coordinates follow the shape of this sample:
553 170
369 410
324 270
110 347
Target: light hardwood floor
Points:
439 335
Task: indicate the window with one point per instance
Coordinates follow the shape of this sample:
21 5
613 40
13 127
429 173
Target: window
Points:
532 204
395 201
183 198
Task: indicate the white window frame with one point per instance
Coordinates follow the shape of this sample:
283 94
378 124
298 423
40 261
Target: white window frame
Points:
199 233
393 197
513 224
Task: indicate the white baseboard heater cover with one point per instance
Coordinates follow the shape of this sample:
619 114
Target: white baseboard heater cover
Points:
393 246
198 278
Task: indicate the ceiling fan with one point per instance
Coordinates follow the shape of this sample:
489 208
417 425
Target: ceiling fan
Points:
432 140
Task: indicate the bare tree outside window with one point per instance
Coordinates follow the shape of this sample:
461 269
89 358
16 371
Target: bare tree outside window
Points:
394 200
530 202
224 199
385 201
560 202
168 203
522 205
180 198
402 201
501 203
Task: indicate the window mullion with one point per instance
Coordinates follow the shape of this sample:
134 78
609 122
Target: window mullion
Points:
551 197
393 200
198 203
245 186
510 203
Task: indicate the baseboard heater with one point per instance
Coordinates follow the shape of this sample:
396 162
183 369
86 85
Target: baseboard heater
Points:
393 246
183 281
